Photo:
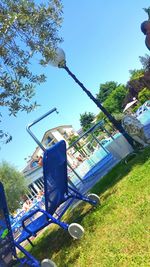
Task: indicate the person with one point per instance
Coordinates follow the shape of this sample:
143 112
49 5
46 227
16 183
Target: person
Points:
39 195
79 158
40 161
27 204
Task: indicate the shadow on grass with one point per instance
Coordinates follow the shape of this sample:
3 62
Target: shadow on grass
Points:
53 239
57 242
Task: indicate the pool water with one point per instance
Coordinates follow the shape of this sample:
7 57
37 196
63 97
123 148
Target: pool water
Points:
144 118
97 156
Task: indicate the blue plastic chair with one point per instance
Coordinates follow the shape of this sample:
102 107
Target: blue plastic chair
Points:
59 196
8 254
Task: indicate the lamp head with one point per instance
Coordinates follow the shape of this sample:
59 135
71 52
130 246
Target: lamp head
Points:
59 59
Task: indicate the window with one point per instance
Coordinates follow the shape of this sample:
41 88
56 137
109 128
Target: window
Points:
34 164
65 135
48 140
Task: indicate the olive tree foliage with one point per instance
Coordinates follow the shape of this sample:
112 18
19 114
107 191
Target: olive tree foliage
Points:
14 185
27 29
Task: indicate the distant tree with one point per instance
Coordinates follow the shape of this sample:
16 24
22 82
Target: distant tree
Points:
14 184
72 139
100 116
136 74
86 120
139 80
105 90
144 95
119 116
114 101
77 146
27 29
147 10
145 61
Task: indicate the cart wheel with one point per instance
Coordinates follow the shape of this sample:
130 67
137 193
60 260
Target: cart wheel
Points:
95 198
76 230
48 263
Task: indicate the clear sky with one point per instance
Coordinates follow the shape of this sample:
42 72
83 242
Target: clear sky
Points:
102 42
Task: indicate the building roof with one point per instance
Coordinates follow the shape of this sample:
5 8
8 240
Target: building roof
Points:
55 128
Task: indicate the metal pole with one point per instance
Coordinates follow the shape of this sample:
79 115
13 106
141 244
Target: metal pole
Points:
75 172
109 134
99 105
95 138
34 122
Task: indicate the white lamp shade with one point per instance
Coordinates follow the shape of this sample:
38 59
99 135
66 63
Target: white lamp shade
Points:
60 57
48 263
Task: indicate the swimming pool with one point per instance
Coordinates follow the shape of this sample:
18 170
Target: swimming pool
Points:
101 161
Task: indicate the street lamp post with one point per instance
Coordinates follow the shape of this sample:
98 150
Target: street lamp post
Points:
60 62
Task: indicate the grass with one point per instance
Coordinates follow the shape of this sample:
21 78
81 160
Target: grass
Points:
117 232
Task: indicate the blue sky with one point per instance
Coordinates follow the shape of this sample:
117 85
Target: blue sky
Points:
102 42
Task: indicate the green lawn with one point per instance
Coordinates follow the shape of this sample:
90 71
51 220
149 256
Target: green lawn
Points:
117 233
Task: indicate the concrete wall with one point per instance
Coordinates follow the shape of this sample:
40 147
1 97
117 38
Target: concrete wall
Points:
119 148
